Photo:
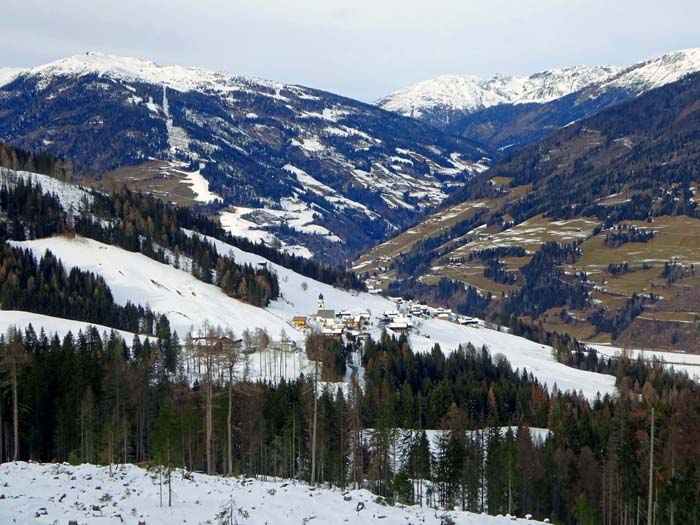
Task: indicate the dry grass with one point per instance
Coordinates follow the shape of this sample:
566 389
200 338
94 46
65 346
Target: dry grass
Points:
430 227
153 177
530 235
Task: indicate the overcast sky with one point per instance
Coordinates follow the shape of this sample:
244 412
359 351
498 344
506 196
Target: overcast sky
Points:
360 48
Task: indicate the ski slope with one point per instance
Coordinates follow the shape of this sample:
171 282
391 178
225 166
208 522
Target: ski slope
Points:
57 493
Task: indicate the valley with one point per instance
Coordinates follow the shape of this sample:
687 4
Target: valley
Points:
225 299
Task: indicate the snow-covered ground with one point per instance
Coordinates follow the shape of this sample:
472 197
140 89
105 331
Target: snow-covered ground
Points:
58 493
54 325
294 213
8 74
186 301
471 93
679 361
69 195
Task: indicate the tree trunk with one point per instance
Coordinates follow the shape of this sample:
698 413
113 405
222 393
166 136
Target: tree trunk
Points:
313 432
15 412
228 422
2 443
209 424
651 472
170 486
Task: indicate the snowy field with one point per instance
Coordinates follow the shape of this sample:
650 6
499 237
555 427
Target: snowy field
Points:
56 493
186 301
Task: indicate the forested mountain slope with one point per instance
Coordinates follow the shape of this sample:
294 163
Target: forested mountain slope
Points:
333 174
617 192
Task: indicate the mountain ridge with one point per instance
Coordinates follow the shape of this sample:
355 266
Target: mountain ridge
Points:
438 100
513 122
318 172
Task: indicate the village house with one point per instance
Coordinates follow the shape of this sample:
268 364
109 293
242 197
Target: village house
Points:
222 344
299 322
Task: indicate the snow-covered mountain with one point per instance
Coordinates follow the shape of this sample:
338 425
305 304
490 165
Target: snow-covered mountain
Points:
510 112
8 74
340 172
439 100
650 74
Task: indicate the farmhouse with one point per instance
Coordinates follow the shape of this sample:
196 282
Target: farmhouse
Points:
299 322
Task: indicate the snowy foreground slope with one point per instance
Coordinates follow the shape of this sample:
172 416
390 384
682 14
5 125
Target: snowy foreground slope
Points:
54 325
188 303
43 493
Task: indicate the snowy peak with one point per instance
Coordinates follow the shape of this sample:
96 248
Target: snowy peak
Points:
132 69
653 73
8 74
468 93
512 111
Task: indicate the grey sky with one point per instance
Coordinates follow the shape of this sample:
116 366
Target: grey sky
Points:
361 48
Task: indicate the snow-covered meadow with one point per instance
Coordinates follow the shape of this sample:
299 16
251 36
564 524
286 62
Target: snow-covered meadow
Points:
58 493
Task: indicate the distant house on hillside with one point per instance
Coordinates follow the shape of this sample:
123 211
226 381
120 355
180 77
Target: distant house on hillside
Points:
333 333
222 344
299 322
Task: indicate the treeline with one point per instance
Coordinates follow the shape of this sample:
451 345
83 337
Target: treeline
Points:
497 253
497 272
45 163
674 271
418 390
44 286
26 212
142 223
88 398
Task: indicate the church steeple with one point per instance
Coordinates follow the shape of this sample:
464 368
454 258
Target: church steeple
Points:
321 302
